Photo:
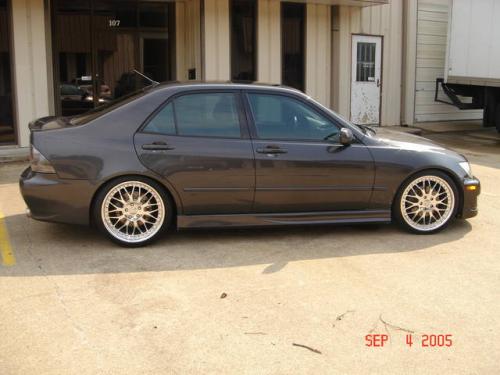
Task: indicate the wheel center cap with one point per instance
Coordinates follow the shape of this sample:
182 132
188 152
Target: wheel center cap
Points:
427 204
133 209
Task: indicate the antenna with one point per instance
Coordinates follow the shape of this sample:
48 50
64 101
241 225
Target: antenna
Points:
153 82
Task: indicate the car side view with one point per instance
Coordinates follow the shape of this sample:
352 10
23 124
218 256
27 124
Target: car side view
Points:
202 155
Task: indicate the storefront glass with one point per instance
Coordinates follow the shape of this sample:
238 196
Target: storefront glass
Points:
99 44
293 36
243 40
7 126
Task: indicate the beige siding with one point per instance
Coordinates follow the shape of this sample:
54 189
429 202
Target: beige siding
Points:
188 47
30 64
318 57
269 41
383 20
216 40
431 41
409 61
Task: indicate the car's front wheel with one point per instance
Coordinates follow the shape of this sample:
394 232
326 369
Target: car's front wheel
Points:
426 203
132 211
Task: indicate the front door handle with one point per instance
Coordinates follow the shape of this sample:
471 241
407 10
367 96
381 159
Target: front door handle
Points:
157 146
273 150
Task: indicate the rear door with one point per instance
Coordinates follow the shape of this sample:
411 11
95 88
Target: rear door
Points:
199 142
300 164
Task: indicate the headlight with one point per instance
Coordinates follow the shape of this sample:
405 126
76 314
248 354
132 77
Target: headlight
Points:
466 167
39 163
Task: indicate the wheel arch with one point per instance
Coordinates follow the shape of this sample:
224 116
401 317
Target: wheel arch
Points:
167 188
447 172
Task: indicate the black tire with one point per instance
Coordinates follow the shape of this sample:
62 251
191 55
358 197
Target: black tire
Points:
398 215
99 220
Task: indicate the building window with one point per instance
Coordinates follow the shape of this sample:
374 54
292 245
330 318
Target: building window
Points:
365 64
243 40
7 128
293 32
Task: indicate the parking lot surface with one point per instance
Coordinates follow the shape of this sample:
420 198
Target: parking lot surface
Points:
273 301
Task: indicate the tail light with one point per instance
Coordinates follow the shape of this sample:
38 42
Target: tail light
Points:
39 163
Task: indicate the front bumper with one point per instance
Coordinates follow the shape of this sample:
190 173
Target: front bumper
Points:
50 198
471 190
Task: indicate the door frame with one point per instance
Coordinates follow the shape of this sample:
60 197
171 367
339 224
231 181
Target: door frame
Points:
381 73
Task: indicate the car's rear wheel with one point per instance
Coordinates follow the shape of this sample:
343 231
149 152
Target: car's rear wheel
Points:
133 211
426 203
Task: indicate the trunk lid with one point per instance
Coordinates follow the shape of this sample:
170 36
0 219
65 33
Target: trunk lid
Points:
49 123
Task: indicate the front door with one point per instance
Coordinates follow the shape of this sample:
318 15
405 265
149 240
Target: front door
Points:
366 79
300 164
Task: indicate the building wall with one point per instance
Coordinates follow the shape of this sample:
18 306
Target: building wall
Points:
188 39
31 70
318 56
216 41
203 43
431 42
386 21
269 41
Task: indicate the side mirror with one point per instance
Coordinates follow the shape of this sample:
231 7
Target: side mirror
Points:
346 136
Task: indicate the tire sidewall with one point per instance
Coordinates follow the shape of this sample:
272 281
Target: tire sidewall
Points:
98 220
396 207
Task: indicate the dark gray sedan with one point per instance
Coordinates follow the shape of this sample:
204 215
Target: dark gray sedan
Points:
227 155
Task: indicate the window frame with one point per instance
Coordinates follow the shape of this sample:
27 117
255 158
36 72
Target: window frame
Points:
244 132
311 106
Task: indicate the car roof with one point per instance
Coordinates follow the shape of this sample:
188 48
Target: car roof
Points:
225 85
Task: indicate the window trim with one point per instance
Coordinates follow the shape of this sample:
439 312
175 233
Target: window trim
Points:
244 133
311 106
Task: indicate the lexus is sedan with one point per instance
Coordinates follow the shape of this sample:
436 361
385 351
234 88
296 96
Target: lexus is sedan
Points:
205 155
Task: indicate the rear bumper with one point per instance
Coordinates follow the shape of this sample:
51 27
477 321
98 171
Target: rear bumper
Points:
471 189
50 198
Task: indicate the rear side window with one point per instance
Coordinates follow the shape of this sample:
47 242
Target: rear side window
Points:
163 122
201 114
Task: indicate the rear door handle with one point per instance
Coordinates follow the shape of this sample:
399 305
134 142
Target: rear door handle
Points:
157 146
271 150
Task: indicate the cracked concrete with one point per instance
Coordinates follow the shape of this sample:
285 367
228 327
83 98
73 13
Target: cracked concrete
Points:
76 304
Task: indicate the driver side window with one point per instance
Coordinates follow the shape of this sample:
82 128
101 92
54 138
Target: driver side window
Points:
283 118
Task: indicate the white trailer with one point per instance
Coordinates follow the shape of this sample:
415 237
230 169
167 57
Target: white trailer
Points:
473 58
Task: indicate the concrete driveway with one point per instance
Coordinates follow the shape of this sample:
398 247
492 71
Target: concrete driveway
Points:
73 303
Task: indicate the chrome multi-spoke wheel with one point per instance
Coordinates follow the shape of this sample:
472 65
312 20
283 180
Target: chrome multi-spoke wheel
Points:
133 212
427 203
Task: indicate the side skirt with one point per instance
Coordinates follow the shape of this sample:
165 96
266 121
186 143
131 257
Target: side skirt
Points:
302 218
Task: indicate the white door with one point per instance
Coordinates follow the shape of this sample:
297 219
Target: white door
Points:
366 75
